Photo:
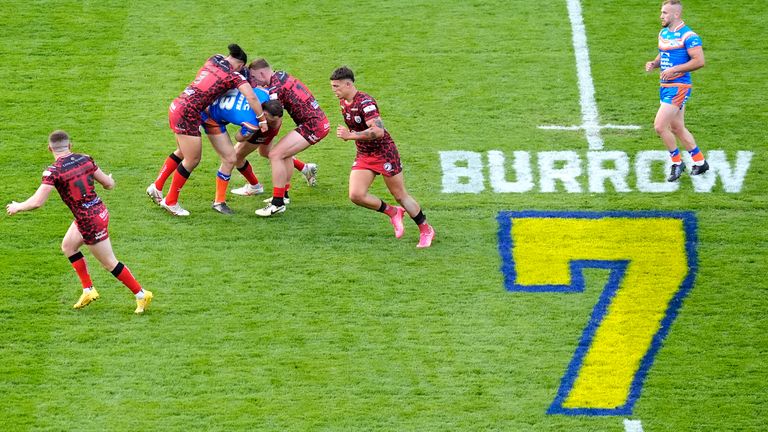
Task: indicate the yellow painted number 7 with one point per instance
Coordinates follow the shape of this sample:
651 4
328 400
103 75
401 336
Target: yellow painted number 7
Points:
652 261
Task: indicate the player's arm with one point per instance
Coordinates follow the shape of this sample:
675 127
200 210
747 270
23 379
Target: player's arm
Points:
35 201
651 65
696 62
375 131
247 91
106 180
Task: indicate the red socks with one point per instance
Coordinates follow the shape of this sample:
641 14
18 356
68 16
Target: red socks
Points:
124 275
180 177
170 165
247 172
78 263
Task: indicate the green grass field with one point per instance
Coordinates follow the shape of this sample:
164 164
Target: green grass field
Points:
319 319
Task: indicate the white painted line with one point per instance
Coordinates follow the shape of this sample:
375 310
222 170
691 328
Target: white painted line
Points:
589 114
630 127
632 426
571 128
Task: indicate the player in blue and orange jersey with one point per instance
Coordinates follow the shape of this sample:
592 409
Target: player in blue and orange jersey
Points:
232 108
376 154
73 176
680 53
218 75
312 125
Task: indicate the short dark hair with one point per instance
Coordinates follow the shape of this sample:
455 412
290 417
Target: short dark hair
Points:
58 140
274 107
343 73
236 52
258 64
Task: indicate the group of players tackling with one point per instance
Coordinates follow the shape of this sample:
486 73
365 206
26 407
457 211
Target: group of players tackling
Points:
253 97
229 90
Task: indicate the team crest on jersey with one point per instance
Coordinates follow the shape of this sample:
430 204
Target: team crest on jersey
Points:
358 119
388 167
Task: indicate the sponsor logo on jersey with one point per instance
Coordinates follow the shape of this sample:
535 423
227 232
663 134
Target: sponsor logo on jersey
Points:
369 108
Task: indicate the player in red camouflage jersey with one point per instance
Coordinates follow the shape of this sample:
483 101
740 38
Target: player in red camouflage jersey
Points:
217 76
312 125
376 154
73 175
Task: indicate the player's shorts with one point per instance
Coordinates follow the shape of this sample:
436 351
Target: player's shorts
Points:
676 95
315 129
94 228
184 120
388 166
211 126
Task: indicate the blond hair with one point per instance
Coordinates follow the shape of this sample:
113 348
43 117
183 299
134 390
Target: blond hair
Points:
58 140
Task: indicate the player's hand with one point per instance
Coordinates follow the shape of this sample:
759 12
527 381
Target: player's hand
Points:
12 208
649 66
263 126
669 74
342 132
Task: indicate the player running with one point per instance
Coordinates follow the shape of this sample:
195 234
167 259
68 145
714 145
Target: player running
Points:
376 154
217 76
312 125
73 175
680 53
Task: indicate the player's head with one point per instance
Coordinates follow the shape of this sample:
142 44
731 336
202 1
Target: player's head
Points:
237 57
58 141
260 72
273 110
343 82
671 12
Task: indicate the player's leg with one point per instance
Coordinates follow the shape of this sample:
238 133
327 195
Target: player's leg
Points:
70 246
396 186
253 187
662 124
308 170
700 165
360 181
191 148
155 189
103 252
222 144
280 160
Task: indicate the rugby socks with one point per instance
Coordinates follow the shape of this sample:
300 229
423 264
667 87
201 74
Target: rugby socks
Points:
78 263
222 181
180 177
124 275
278 195
675 156
287 189
168 168
387 209
697 156
299 165
247 171
421 221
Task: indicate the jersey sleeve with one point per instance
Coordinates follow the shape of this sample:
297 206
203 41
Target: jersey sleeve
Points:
692 41
369 108
49 176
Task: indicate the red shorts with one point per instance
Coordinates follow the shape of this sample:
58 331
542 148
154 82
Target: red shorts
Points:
94 228
314 130
384 166
183 120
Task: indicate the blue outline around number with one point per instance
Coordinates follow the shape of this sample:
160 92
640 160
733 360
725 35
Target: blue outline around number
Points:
618 269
